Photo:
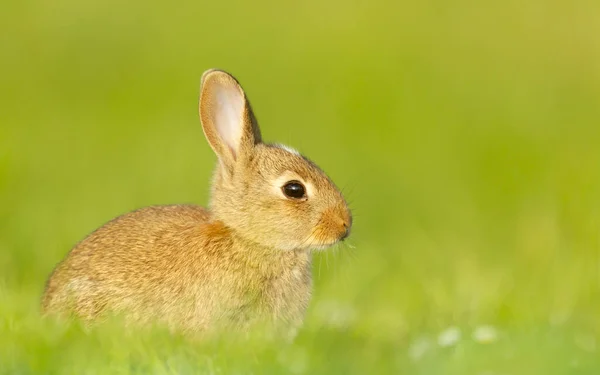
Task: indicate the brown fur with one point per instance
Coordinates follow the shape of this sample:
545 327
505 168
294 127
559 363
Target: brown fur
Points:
246 260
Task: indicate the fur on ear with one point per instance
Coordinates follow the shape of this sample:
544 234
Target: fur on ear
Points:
226 116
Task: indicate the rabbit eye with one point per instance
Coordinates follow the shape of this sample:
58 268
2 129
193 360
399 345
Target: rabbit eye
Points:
294 189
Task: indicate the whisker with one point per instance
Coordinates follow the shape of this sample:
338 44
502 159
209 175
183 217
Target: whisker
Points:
353 254
311 234
348 188
320 262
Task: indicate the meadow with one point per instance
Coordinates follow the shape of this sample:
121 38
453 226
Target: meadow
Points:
466 136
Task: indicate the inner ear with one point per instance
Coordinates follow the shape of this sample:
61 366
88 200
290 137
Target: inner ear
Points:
227 119
228 116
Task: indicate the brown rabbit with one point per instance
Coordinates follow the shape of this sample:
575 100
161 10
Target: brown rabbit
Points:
244 260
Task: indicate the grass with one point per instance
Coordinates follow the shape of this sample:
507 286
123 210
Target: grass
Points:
465 135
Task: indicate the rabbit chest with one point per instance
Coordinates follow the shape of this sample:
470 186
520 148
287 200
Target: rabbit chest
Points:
274 288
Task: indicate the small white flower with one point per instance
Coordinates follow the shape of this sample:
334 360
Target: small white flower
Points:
419 348
449 337
485 334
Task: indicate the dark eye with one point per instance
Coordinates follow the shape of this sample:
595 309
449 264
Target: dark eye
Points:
294 189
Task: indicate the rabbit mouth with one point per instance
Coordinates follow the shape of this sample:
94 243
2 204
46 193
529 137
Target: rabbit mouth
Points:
333 227
320 243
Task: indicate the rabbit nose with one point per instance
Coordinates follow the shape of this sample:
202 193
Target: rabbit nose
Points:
338 221
347 223
346 232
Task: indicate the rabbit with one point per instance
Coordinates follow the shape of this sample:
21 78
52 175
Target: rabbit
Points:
246 259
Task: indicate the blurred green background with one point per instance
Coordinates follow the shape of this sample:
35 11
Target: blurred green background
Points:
466 135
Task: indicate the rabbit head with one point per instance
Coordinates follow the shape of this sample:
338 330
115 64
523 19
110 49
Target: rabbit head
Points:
266 193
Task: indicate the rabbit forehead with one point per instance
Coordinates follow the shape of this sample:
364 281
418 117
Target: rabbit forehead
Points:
279 164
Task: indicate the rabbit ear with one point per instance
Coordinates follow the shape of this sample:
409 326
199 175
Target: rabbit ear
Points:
226 116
